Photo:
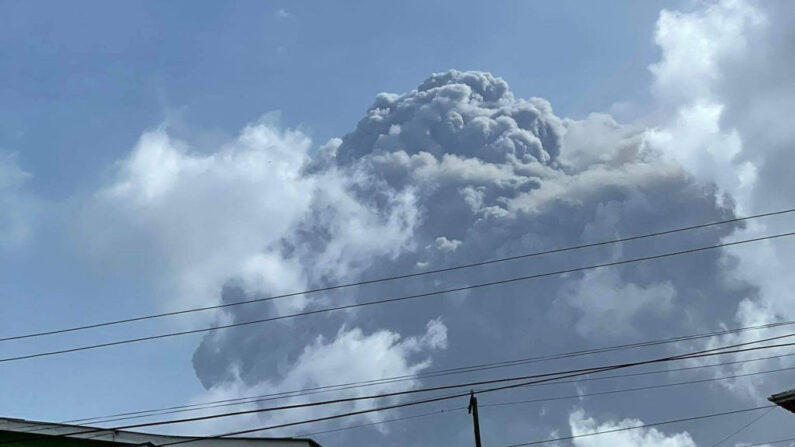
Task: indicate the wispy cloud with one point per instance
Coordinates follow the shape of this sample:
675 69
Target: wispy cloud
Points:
282 14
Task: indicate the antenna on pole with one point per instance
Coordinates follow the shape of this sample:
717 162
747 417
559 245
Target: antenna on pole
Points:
473 410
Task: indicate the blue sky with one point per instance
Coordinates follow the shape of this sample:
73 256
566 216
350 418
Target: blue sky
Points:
137 175
81 84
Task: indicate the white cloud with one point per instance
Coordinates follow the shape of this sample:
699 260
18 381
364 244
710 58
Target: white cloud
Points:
354 227
695 140
446 245
352 355
282 14
206 218
695 44
581 424
725 72
696 48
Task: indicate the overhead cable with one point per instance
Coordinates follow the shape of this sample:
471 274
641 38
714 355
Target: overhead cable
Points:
443 372
565 397
698 354
636 427
393 278
393 299
537 378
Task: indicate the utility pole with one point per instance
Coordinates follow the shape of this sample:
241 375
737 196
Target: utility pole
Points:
473 409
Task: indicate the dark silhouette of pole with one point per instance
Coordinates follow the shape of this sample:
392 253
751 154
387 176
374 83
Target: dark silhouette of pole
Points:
473 409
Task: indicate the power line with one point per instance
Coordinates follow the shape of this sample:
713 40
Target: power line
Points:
663 371
434 399
316 390
395 299
429 374
623 390
769 442
393 278
698 354
654 424
276 396
386 421
544 377
561 382
635 389
547 378
572 396
752 422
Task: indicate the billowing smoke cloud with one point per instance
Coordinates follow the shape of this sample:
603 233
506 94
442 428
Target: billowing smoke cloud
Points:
471 114
467 171
460 170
